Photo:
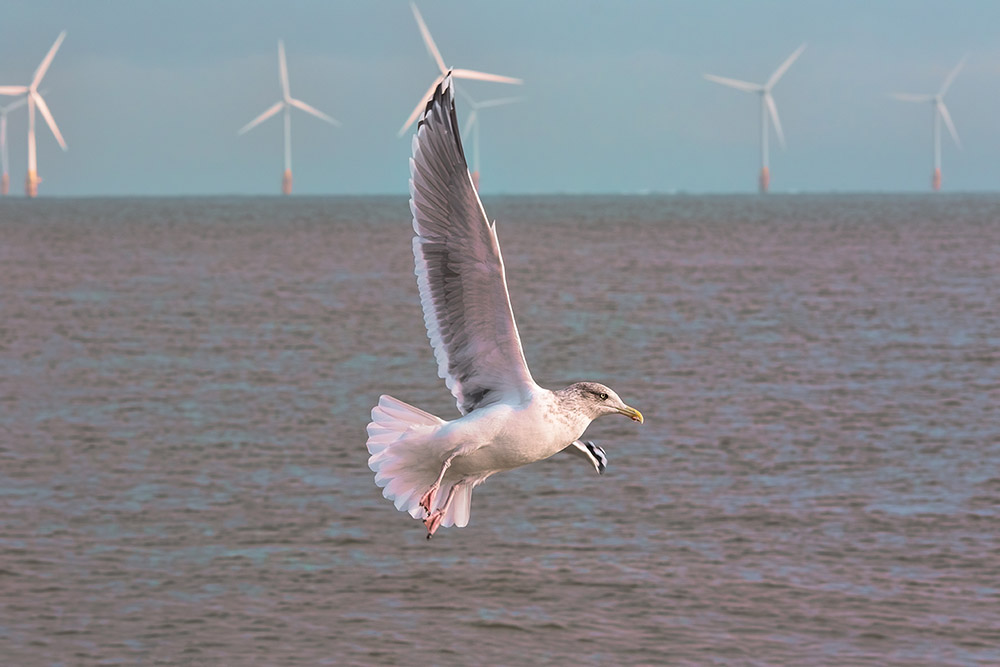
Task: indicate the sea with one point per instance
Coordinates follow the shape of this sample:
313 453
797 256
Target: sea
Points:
185 385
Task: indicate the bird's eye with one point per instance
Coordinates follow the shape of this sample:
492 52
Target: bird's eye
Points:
604 397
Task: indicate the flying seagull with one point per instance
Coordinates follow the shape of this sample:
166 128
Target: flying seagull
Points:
428 466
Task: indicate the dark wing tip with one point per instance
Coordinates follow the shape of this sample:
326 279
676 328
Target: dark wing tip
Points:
443 98
600 458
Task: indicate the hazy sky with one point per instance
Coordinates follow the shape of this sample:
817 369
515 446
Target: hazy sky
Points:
149 96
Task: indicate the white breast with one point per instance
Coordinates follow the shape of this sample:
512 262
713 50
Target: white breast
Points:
503 436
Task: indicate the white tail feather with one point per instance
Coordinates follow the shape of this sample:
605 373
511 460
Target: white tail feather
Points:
400 441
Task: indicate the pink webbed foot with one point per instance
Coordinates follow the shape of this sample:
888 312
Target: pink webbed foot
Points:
433 522
427 500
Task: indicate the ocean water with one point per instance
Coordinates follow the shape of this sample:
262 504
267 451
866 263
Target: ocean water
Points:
185 384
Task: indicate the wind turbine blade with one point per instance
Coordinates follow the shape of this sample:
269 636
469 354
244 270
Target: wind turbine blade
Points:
952 74
773 109
911 97
261 118
420 106
483 76
778 73
283 71
947 121
735 83
465 96
44 66
469 123
428 40
314 111
47 115
19 102
13 90
498 102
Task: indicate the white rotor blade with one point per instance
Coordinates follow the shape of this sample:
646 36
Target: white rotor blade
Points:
778 73
420 106
483 76
735 83
261 118
44 66
466 96
947 121
469 123
952 74
13 90
20 102
283 71
773 108
47 115
314 111
911 97
497 102
428 40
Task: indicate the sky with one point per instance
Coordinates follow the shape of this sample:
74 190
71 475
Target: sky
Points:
149 96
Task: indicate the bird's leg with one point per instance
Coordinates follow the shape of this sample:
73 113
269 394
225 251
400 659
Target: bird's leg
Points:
434 520
427 500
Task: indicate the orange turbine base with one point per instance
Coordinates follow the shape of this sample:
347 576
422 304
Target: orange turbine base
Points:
31 184
936 180
5 185
475 180
765 179
286 182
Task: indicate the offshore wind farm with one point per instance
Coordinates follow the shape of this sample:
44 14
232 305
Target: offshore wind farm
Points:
673 117
193 471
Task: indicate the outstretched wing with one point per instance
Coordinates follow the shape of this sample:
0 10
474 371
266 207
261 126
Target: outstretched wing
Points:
460 273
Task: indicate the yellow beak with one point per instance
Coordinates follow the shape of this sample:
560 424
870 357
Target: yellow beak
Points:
632 414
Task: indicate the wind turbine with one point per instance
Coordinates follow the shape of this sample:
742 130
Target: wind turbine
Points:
286 103
35 100
4 157
456 73
472 125
767 107
940 113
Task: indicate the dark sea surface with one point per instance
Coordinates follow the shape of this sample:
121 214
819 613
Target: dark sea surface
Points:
185 384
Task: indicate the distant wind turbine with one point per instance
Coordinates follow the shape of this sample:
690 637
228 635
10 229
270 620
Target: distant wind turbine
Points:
35 100
940 113
472 125
4 157
767 107
286 103
456 73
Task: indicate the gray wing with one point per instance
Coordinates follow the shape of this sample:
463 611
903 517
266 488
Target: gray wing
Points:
590 452
460 273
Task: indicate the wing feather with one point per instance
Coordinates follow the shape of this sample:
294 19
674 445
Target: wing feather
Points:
459 268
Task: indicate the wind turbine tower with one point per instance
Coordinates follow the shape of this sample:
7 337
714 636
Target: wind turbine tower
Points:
35 100
285 104
767 108
940 113
4 155
472 126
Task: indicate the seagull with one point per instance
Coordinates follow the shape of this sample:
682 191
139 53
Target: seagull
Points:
425 465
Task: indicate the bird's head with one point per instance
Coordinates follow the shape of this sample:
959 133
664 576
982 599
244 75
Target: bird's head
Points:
593 399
